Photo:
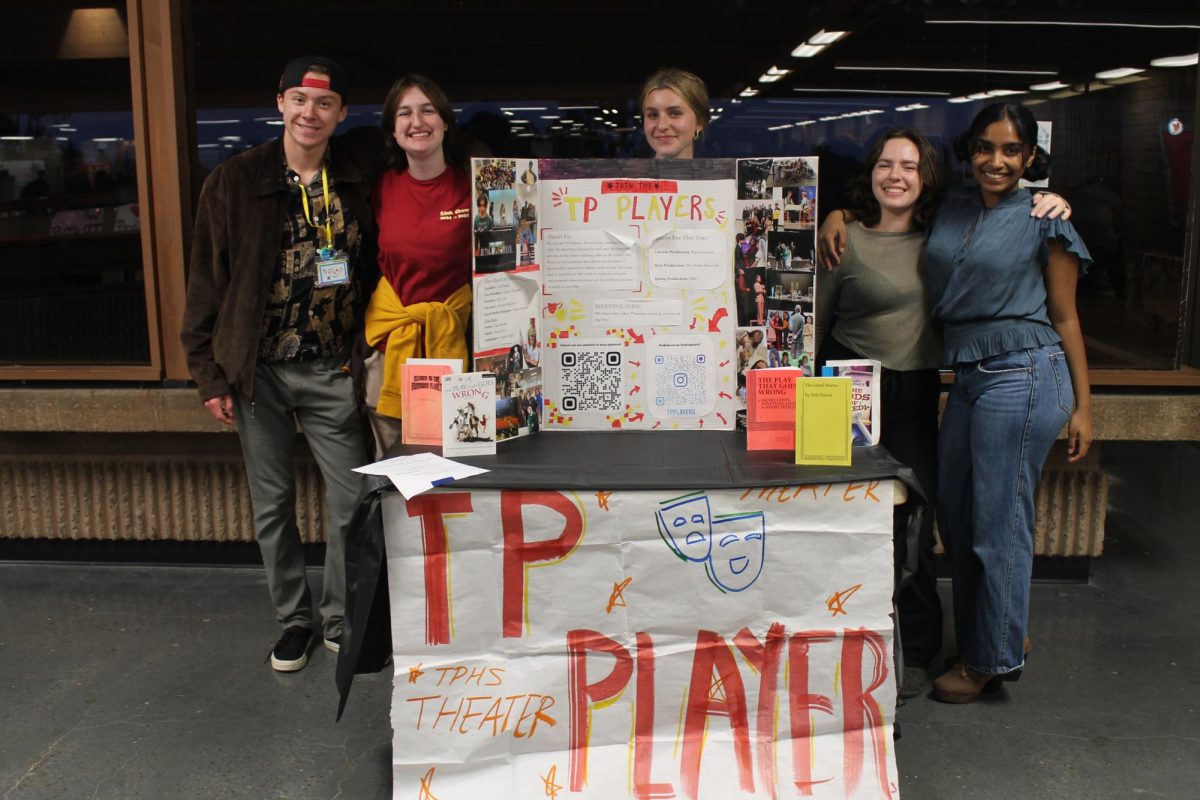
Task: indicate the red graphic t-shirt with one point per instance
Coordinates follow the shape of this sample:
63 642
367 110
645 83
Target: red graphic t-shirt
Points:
424 234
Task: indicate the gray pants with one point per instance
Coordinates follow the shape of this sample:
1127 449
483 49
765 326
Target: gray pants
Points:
321 397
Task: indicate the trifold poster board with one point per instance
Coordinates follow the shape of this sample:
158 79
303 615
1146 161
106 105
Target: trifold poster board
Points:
720 644
609 294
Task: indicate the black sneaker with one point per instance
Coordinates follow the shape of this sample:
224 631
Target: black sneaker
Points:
290 653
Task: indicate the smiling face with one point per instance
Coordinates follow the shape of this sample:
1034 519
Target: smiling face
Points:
896 177
419 129
739 550
688 526
310 115
670 124
998 160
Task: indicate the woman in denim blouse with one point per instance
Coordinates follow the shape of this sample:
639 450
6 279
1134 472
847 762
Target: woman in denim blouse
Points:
1002 283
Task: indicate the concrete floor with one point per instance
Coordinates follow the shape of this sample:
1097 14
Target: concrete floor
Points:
137 682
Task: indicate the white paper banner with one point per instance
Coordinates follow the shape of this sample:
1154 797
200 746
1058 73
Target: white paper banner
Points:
647 644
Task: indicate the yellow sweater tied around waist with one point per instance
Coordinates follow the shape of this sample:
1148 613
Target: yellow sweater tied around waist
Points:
421 330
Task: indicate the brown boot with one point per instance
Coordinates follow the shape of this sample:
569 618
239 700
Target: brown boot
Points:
963 685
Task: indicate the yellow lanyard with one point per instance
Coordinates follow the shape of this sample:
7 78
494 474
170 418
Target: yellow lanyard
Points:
308 213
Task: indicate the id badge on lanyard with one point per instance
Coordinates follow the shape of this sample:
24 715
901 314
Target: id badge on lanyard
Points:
333 267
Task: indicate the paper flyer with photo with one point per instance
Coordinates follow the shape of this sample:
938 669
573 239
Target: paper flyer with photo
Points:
468 414
864 374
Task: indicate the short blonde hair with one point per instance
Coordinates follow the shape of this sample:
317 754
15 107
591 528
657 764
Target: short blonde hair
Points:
683 83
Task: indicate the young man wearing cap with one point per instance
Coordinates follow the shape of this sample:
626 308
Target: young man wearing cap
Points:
282 264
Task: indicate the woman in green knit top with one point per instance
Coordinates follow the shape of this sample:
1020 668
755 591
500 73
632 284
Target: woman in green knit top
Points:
874 306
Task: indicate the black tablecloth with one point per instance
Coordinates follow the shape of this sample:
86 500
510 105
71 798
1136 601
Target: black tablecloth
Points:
612 461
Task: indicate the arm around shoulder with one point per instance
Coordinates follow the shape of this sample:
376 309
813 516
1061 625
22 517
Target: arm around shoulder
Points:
831 238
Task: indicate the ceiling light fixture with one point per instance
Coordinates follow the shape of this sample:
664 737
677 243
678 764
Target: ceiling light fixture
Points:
872 91
807 50
1176 61
1119 72
986 70
1059 23
773 74
1048 87
827 37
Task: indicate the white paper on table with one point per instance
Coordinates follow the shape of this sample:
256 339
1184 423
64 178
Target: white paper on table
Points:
412 475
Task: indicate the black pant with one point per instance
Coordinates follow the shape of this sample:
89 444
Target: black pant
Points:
908 409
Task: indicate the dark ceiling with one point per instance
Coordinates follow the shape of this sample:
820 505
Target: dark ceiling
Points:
575 51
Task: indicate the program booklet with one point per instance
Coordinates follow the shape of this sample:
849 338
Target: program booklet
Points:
823 421
865 424
421 398
468 414
771 408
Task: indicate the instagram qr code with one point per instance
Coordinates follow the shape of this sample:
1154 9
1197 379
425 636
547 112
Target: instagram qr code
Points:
683 380
591 380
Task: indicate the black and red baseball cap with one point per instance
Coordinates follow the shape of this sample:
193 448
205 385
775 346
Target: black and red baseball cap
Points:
332 77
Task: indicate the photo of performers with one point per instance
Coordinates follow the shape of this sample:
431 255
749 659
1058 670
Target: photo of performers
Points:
773 258
497 217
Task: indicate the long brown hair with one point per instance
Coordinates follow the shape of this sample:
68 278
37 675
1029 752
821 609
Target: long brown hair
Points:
928 167
451 149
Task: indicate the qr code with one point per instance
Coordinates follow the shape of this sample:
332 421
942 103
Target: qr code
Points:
591 380
681 380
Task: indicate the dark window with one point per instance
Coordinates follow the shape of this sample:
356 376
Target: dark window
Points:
71 284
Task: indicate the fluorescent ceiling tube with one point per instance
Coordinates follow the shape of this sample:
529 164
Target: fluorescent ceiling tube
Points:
807 50
827 37
1176 61
1119 72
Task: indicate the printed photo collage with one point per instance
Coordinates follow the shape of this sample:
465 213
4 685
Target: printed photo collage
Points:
774 264
505 218
504 226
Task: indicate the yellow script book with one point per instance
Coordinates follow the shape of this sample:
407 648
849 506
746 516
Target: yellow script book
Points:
823 421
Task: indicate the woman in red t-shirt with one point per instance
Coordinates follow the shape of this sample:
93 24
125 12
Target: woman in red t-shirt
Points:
422 205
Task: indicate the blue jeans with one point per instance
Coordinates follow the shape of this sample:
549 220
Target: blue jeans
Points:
1002 417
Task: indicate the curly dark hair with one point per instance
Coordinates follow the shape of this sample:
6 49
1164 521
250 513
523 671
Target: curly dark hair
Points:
928 167
451 149
1026 127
